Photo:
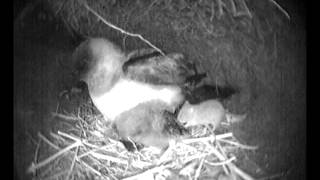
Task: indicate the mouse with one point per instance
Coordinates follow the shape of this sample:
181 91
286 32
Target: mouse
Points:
209 112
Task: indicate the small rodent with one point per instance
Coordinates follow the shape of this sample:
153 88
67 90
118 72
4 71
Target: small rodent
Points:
205 113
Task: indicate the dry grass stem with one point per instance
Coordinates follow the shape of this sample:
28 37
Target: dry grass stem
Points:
242 146
184 151
209 138
222 162
147 173
72 164
91 168
69 136
241 173
47 141
196 176
108 158
57 175
62 116
280 8
123 31
34 167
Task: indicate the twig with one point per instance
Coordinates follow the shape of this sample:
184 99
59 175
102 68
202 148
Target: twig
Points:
55 176
89 152
209 138
108 158
220 8
273 176
115 142
166 153
141 164
223 136
89 167
191 158
34 167
219 155
147 9
245 7
146 173
60 7
77 159
81 125
57 137
69 136
196 176
134 145
212 11
241 173
123 31
35 160
280 8
37 151
188 168
62 116
193 140
222 162
226 170
72 164
82 120
239 145
58 106
77 139
47 141
89 144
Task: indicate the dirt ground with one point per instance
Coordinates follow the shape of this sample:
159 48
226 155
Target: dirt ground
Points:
278 126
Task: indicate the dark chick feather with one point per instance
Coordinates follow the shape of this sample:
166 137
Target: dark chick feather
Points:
139 57
172 126
206 92
195 79
152 67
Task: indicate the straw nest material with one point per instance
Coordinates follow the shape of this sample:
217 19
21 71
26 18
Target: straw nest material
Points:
86 147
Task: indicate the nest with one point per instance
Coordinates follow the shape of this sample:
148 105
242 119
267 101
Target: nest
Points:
86 147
